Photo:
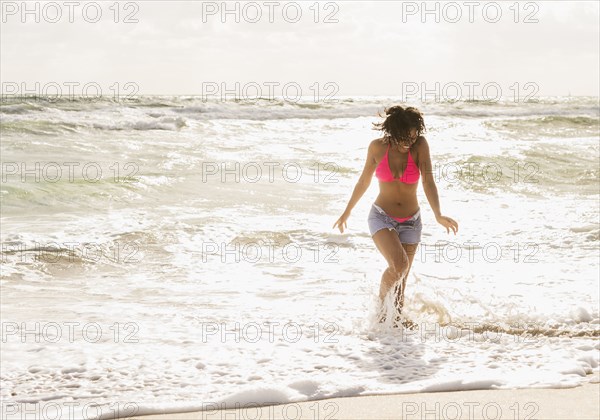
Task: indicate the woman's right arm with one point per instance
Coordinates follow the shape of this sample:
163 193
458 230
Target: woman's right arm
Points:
362 185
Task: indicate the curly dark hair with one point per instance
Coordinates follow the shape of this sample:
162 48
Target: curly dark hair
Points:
398 123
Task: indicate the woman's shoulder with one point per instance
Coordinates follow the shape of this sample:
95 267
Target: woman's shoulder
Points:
379 143
377 149
418 148
421 143
378 146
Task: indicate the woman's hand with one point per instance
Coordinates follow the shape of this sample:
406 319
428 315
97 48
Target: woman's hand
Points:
341 222
448 223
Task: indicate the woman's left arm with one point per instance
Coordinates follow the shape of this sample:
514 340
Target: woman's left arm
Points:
430 188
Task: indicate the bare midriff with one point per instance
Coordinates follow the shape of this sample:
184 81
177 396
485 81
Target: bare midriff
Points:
397 199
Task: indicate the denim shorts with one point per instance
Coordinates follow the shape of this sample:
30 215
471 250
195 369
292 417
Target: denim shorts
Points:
408 231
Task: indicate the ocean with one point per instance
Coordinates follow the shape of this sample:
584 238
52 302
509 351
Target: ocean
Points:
167 253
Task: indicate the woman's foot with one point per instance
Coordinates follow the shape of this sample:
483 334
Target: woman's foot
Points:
409 325
399 319
405 322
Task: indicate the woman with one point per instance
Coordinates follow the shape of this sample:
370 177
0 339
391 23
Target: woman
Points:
398 159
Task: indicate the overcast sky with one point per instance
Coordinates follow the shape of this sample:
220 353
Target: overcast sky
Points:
369 51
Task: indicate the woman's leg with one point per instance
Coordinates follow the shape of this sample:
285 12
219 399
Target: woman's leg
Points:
410 250
388 243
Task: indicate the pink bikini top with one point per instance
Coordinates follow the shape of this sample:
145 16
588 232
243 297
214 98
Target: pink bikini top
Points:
384 174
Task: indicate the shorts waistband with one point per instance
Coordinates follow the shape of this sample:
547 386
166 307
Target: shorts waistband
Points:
380 210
